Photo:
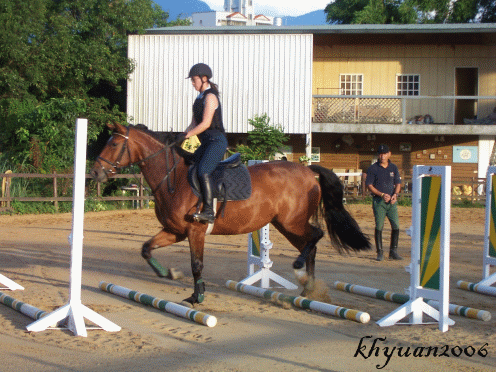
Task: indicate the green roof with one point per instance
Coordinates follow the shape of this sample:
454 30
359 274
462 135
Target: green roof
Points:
459 34
332 29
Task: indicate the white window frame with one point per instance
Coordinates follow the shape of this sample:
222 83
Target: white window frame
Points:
351 84
408 84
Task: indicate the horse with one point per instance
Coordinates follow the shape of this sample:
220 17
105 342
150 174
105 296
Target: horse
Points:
286 194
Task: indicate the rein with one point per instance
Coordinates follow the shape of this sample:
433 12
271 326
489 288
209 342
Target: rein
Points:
116 167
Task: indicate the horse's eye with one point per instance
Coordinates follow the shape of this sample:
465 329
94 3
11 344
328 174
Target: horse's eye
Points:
114 144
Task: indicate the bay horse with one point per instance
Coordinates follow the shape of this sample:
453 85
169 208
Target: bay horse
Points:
285 194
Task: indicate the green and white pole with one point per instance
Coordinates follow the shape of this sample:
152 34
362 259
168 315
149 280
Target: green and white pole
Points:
22 307
301 302
399 298
164 305
477 287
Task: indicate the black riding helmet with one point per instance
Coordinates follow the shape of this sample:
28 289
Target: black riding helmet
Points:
200 69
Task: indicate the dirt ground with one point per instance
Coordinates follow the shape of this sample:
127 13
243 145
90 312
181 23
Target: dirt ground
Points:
252 334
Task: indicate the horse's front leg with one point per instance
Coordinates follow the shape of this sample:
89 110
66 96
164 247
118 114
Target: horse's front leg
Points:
162 239
196 239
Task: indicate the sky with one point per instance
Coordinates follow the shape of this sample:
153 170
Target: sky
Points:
278 7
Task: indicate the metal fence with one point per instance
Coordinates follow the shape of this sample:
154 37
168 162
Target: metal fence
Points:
357 110
383 109
462 189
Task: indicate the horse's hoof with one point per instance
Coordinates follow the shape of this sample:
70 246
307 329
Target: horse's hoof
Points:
301 276
175 274
298 264
188 302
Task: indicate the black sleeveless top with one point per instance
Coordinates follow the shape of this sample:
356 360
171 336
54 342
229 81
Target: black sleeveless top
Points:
198 109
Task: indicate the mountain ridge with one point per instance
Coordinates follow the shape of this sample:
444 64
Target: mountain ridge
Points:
185 8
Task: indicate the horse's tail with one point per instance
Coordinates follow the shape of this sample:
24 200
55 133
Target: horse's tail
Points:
344 231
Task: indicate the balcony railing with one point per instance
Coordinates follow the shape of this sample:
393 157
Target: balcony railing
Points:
382 109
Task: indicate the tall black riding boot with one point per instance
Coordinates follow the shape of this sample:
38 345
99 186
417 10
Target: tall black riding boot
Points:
378 245
207 214
393 254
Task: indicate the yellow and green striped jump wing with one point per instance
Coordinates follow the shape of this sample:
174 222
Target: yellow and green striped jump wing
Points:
430 238
492 220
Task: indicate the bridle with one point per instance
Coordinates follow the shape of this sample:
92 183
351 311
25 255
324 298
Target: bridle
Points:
116 166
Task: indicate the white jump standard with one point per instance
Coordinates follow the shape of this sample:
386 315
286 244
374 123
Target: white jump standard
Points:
10 284
259 245
75 311
429 266
399 298
485 286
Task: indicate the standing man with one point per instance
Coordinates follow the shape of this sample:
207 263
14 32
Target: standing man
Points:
384 182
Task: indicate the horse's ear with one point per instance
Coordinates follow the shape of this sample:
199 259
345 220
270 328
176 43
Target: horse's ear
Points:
116 127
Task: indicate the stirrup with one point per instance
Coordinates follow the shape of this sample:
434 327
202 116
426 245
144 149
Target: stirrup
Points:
204 217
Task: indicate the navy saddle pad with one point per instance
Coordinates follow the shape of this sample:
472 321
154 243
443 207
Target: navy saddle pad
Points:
231 179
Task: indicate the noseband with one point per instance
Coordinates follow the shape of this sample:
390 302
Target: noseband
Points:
116 166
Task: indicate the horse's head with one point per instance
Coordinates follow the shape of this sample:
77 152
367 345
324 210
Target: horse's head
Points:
115 155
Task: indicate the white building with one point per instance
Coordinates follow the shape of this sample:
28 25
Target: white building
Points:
236 13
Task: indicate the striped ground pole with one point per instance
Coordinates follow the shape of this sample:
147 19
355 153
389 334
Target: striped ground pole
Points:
301 302
26 309
164 305
465 311
475 287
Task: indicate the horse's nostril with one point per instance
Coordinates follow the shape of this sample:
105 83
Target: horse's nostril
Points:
95 175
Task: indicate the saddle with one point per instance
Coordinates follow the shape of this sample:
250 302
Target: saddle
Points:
231 179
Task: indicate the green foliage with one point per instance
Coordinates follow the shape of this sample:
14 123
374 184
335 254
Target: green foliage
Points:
264 141
487 10
60 59
43 135
343 11
410 11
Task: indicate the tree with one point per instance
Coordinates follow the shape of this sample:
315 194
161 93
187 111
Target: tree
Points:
343 11
410 11
487 9
264 141
68 50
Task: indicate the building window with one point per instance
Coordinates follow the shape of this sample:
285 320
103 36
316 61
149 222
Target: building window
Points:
407 85
351 84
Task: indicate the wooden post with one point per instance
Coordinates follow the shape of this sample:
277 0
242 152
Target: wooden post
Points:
55 191
7 191
140 194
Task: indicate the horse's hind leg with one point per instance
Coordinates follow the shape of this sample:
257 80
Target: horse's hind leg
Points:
162 239
306 242
310 246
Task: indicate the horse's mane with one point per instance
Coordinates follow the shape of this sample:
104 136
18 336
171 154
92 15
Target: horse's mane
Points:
166 138
162 137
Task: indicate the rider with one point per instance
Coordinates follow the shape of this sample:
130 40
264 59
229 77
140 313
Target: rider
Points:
207 125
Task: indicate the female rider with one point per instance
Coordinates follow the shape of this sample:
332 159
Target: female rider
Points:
207 125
